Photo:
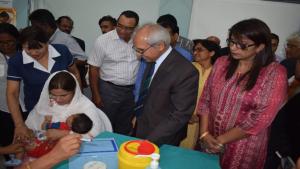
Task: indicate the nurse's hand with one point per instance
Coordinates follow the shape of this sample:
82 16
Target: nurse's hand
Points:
21 133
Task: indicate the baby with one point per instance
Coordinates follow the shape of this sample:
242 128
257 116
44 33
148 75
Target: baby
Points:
78 123
39 145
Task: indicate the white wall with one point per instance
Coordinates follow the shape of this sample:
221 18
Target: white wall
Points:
86 14
215 17
181 9
22 13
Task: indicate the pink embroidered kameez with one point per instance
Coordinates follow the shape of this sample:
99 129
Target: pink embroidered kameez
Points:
229 106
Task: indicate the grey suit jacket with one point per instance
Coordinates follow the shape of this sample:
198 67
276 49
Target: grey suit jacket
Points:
170 102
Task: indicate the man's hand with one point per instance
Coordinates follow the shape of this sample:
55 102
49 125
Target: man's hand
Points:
66 147
12 149
97 101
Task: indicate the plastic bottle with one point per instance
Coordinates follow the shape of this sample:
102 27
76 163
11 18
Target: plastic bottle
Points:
154 163
40 135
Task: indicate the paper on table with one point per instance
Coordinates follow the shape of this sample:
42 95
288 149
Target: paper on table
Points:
102 150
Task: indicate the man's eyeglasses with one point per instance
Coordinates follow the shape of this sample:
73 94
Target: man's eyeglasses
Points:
290 46
141 51
125 28
9 43
238 45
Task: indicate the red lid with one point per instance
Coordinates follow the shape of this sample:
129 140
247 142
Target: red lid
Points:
144 148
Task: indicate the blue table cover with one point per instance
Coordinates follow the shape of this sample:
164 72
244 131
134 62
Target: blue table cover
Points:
171 157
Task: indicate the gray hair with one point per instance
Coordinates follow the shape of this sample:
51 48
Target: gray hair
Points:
295 36
157 34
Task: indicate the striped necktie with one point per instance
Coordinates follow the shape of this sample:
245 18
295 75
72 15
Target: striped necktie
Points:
145 84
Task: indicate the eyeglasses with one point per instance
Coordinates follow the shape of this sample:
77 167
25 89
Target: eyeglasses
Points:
199 49
238 45
9 42
290 46
141 51
125 28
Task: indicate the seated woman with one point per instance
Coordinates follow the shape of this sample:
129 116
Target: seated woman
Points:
61 97
33 66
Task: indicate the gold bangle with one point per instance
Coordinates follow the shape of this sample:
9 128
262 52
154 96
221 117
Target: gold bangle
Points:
203 135
28 165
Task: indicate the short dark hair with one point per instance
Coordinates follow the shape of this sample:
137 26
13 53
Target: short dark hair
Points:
9 29
33 36
81 124
174 28
58 21
43 16
131 14
274 36
4 14
62 80
167 18
109 18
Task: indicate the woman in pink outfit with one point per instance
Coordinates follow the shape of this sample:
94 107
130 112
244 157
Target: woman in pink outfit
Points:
241 97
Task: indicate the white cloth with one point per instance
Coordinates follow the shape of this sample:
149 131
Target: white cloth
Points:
3 74
52 53
60 37
79 104
3 81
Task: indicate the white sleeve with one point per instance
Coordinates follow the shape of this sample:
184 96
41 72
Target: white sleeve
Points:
97 54
75 49
34 120
100 122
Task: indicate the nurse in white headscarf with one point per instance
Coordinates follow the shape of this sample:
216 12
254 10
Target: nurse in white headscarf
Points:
60 98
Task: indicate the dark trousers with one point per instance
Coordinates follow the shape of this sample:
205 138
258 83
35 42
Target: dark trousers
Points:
7 128
118 105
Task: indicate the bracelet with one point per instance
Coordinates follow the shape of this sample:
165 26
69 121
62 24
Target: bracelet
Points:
220 145
203 135
28 165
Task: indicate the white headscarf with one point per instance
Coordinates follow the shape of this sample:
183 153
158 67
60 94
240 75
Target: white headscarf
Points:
79 104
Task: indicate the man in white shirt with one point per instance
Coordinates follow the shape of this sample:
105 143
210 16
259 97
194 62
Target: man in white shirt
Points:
113 66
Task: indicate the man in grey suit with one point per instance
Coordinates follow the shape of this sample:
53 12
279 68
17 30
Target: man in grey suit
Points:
170 100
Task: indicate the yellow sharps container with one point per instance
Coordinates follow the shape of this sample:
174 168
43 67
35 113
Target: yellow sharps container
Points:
127 155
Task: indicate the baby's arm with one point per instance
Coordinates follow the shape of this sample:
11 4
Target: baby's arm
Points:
46 121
